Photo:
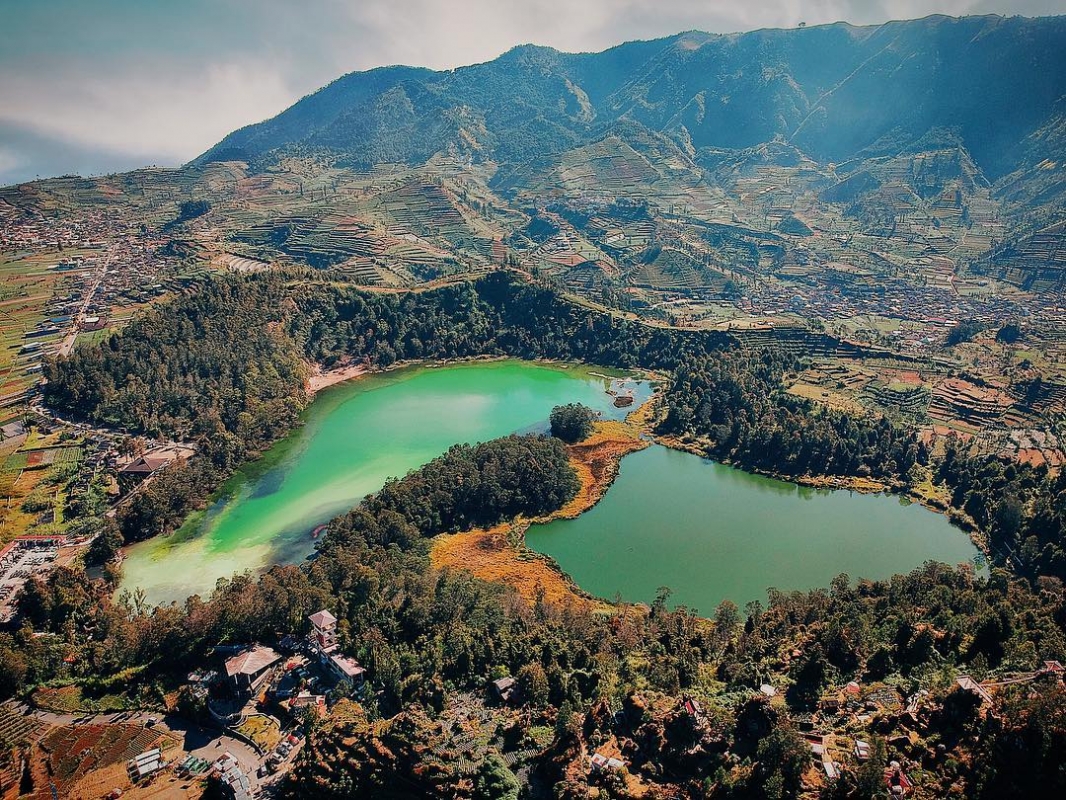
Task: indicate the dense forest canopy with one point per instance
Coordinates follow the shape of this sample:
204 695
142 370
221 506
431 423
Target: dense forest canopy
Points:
423 632
738 403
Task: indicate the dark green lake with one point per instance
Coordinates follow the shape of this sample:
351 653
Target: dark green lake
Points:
710 532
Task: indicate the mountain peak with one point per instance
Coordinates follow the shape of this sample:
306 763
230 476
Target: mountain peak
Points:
832 90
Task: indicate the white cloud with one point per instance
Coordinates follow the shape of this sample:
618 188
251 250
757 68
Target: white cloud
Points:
166 81
166 114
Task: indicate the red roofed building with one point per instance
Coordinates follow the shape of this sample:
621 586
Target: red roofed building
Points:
324 626
250 668
899 785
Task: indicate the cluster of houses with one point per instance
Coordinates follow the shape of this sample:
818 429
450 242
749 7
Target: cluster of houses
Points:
120 269
249 670
932 310
280 677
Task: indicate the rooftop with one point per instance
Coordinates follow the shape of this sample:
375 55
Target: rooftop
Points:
251 662
323 619
348 666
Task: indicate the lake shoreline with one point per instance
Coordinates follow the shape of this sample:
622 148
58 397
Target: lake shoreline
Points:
322 379
504 556
597 462
712 533
843 483
264 512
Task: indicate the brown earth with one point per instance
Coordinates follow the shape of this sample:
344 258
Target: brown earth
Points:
321 379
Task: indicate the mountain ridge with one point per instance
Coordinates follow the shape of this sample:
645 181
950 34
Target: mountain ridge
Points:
830 90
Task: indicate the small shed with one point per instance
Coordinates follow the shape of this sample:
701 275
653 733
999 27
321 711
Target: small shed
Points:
506 689
600 762
862 750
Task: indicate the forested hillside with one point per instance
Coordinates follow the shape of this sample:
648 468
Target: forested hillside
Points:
424 633
199 392
738 404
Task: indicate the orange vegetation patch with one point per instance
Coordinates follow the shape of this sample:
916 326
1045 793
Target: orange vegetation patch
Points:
596 461
163 786
1036 458
490 556
494 554
933 433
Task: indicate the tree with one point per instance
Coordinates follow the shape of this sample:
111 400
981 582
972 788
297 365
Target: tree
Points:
869 778
783 758
726 622
190 209
962 332
567 724
495 781
1009 333
572 422
105 546
811 677
533 684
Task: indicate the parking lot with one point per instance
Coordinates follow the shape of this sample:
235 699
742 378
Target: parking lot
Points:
20 560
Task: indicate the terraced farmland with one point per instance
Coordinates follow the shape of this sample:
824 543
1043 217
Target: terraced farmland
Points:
319 241
16 727
72 752
667 269
28 284
1036 262
424 210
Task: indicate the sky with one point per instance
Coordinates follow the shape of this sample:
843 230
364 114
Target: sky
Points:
94 86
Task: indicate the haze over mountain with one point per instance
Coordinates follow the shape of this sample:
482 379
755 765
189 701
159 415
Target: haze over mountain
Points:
994 87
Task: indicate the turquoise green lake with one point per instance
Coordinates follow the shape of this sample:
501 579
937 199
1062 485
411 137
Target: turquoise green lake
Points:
354 437
710 532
